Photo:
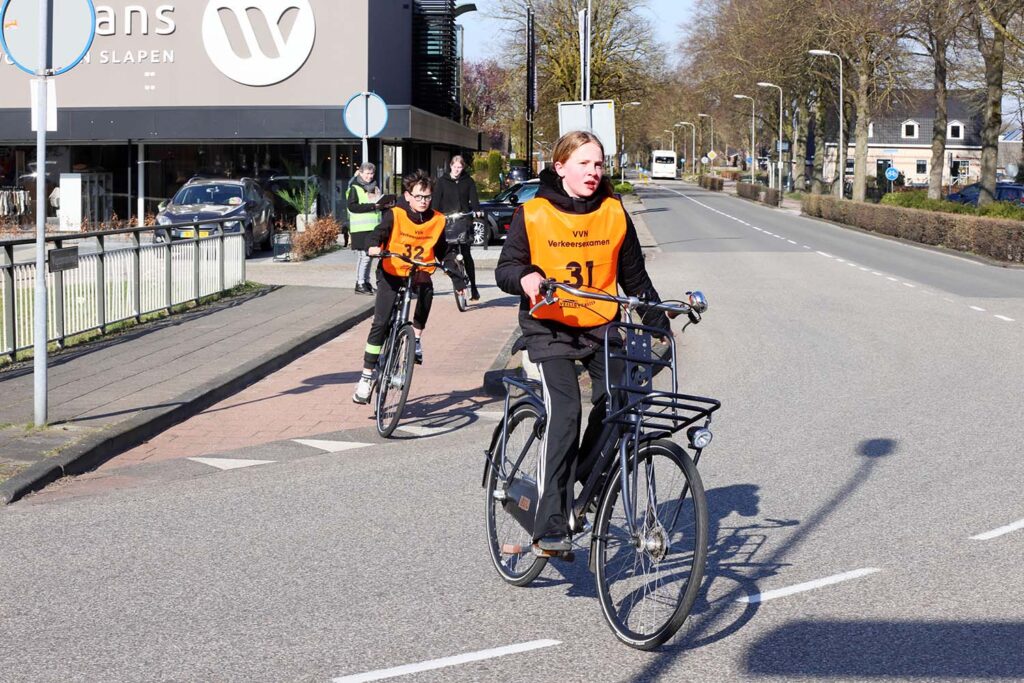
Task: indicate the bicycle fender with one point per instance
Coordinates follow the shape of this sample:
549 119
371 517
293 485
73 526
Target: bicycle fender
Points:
496 434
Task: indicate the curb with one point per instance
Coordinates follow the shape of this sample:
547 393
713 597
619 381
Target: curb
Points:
99 448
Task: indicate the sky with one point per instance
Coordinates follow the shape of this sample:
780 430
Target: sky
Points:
483 32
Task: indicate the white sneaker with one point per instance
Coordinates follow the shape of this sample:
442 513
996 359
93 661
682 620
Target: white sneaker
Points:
362 394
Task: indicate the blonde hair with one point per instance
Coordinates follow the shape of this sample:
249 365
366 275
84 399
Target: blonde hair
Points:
458 158
572 141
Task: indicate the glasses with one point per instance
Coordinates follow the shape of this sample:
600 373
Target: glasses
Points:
422 197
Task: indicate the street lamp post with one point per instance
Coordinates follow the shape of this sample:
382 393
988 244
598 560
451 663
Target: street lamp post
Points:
712 119
764 84
693 145
753 158
840 146
673 134
622 154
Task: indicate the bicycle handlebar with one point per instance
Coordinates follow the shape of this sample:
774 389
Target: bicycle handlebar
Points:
697 301
408 259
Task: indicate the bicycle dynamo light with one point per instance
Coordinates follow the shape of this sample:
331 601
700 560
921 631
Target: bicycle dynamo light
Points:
699 437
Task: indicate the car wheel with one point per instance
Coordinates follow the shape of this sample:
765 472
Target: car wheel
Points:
481 233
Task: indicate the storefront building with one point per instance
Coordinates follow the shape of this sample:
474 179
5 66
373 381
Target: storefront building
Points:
242 88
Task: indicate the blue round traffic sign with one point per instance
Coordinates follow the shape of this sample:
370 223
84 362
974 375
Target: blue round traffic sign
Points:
891 173
72 30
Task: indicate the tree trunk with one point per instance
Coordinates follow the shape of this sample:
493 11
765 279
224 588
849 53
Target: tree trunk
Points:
995 56
941 119
817 183
800 147
860 152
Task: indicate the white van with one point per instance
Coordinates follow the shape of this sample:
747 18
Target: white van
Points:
663 164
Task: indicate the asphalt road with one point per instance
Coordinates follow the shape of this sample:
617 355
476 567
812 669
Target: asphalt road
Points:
864 486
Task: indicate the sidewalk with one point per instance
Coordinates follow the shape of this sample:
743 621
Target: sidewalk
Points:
116 402
110 395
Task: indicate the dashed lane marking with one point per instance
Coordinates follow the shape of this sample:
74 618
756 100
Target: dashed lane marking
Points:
808 585
230 463
989 535
331 446
977 308
444 662
1003 317
423 431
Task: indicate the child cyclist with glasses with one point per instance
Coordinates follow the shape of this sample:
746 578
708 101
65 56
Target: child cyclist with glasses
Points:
414 229
576 231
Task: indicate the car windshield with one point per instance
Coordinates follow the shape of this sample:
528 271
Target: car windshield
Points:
505 194
527 191
225 195
664 160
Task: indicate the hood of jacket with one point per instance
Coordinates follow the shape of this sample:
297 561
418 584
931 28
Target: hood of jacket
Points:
369 187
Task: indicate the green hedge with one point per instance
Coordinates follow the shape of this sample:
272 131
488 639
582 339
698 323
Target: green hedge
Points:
918 199
771 197
710 182
998 238
625 187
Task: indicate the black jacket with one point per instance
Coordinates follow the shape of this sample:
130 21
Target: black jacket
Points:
353 199
547 339
456 195
380 235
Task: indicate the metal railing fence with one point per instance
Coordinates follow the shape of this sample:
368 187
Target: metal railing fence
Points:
129 273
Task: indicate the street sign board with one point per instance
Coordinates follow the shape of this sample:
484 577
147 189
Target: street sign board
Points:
704 159
601 121
73 27
891 174
1011 169
365 114
712 155
749 159
63 259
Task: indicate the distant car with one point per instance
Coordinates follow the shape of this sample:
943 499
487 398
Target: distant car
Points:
498 212
517 174
242 200
1005 192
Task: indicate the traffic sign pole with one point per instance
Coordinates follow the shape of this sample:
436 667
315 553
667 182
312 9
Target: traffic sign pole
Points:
39 362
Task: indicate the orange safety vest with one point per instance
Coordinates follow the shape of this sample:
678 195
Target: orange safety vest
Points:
581 250
415 240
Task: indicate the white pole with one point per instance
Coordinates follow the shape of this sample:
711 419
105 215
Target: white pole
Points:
141 201
842 146
39 363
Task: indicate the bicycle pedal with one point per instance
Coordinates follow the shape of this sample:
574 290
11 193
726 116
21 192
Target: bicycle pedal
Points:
511 549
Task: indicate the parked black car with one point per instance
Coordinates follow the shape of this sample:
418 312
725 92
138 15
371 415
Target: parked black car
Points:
1005 192
517 174
498 212
202 199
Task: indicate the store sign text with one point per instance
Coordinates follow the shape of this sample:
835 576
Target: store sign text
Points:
135 18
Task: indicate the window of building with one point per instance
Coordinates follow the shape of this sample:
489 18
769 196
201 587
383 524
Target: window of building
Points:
909 129
922 166
955 131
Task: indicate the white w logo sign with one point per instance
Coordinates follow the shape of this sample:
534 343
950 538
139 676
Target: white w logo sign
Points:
247 59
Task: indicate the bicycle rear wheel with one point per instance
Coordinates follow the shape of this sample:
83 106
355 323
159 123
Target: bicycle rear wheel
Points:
648 579
395 380
460 302
508 540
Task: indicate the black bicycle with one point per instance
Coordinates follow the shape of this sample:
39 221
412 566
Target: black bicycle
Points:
649 541
460 296
392 376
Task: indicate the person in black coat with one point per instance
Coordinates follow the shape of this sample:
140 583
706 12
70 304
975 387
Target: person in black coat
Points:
456 193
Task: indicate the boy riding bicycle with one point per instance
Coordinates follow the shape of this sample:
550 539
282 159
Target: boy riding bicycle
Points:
575 231
414 229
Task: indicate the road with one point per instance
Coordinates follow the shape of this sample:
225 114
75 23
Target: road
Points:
864 486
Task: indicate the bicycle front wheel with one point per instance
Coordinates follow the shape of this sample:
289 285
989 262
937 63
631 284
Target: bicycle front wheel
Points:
510 503
649 572
460 302
395 380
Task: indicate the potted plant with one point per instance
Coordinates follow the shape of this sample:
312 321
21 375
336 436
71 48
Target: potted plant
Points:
302 198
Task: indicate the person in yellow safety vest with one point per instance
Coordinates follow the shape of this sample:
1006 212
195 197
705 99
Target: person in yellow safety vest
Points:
363 217
575 231
414 229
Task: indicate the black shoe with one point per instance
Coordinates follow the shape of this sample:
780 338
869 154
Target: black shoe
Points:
419 353
369 288
553 544
474 294
363 289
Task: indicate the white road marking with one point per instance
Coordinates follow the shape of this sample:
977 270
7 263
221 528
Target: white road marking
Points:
864 269
806 246
423 431
230 463
977 308
875 272
1003 317
808 585
840 260
989 535
889 277
907 284
433 664
824 254
791 241
490 414
769 233
331 446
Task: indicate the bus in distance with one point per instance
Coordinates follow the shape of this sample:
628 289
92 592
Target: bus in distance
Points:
663 164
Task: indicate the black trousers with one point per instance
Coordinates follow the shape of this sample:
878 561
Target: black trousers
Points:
467 261
564 459
387 291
